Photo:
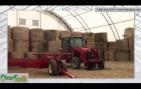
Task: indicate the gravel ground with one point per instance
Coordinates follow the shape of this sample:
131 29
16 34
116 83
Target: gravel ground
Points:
112 70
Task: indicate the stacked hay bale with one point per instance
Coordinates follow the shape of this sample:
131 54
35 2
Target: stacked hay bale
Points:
129 35
52 38
10 40
20 36
90 38
37 43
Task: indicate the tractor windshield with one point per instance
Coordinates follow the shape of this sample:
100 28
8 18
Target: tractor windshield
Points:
77 42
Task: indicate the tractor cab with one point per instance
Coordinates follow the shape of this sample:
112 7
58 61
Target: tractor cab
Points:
69 42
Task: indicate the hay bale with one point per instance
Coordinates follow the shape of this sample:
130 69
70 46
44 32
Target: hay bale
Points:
51 35
76 34
10 45
122 56
90 44
90 37
36 34
111 45
65 34
102 45
31 56
131 44
101 37
122 45
106 55
39 46
9 31
53 46
20 33
112 55
20 46
132 55
128 33
17 55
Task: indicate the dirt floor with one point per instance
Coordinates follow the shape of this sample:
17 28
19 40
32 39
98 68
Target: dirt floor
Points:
112 70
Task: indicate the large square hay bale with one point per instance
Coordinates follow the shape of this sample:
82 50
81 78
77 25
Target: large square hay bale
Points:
132 55
51 35
36 34
20 46
131 44
20 33
17 55
122 45
90 37
101 37
111 46
76 34
38 46
102 45
9 31
53 46
10 45
90 44
112 55
65 34
122 56
106 55
128 33
31 56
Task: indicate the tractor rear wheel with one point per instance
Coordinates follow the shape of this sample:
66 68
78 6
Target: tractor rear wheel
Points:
52 68
62 65
75 62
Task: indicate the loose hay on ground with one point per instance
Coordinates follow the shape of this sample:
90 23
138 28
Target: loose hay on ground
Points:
9 31
36 34
10 45
51 35
76 34
53 46
17 55
122 56
112 70
20 46
101 37
20 33
31 56
122 45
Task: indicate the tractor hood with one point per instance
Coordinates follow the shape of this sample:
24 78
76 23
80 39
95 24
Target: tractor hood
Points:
83 48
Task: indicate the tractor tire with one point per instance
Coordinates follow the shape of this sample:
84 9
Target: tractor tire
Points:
63 65
75 62
101 65
52 68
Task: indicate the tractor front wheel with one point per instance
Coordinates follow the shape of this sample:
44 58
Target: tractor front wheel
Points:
62 65
101 65
52 68
75 62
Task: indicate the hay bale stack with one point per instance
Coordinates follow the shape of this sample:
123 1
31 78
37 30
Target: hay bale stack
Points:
132 55
20 46
90 44
106 55
20 33
38 46
31 56
102 45
122 56
131 44
9 31
36 34
122 45
101 37
51 35
65 34
111 45
10 45
17 55
53 46
76 34
128 33
90 37
112 55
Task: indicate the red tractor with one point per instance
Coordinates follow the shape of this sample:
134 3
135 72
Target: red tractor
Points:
90 57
